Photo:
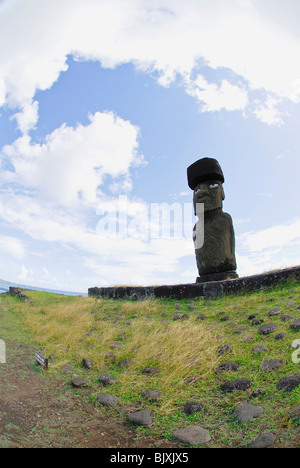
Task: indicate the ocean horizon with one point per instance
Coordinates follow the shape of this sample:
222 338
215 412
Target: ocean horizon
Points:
5 285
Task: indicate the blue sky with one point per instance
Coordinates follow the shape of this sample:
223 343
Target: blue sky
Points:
103 106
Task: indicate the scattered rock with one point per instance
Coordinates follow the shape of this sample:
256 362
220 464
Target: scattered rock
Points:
286 317
263 441
126 362
192 435
275 311
152 394
79 382
17 292
177 316
227 367
238 331
257 321
236 384
87 364
141 418
116 344
295 325
151 370
259 349
246 338
106 399
107 379
201 317
294 414
267 328
185 317
224 349
257 392
66 369
246 412
122 336
287 384
193 379
252 316
192 407
110 357
280 336
224 318
270 365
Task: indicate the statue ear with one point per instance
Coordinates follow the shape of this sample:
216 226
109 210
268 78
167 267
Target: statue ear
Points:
223 193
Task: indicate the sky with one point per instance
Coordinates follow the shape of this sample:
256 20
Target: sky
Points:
103 106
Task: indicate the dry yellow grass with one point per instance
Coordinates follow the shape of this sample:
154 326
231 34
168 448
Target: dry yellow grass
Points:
74 330
178 350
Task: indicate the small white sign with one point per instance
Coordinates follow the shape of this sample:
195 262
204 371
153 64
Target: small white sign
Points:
41 360
2 352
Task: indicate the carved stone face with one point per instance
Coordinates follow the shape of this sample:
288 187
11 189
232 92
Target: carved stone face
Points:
210 193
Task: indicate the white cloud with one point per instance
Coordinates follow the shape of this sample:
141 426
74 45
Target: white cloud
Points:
167 36
269 249
275 236
215 98
26 274
27 117
13 246
70 166
139 260
284 154
269 113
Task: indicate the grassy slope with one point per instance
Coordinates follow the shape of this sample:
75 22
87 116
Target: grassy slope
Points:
106 331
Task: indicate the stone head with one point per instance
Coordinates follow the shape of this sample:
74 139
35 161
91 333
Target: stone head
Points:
205 178
210 193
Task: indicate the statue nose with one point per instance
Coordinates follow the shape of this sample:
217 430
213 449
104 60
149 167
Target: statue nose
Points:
202 193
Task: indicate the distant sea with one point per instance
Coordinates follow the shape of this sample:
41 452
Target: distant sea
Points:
5 285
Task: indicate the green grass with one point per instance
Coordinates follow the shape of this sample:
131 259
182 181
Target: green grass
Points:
72 328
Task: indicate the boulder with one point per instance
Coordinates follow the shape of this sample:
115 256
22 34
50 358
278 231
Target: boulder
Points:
192 435
106 399
141 418
270 365
244 413
287 384
265 440
236 384
267 328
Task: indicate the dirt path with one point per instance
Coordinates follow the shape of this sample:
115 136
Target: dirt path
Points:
36 412
40 412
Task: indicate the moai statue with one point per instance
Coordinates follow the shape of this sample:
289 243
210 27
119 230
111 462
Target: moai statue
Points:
213 233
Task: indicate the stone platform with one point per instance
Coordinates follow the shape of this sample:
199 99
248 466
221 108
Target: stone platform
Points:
209 290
